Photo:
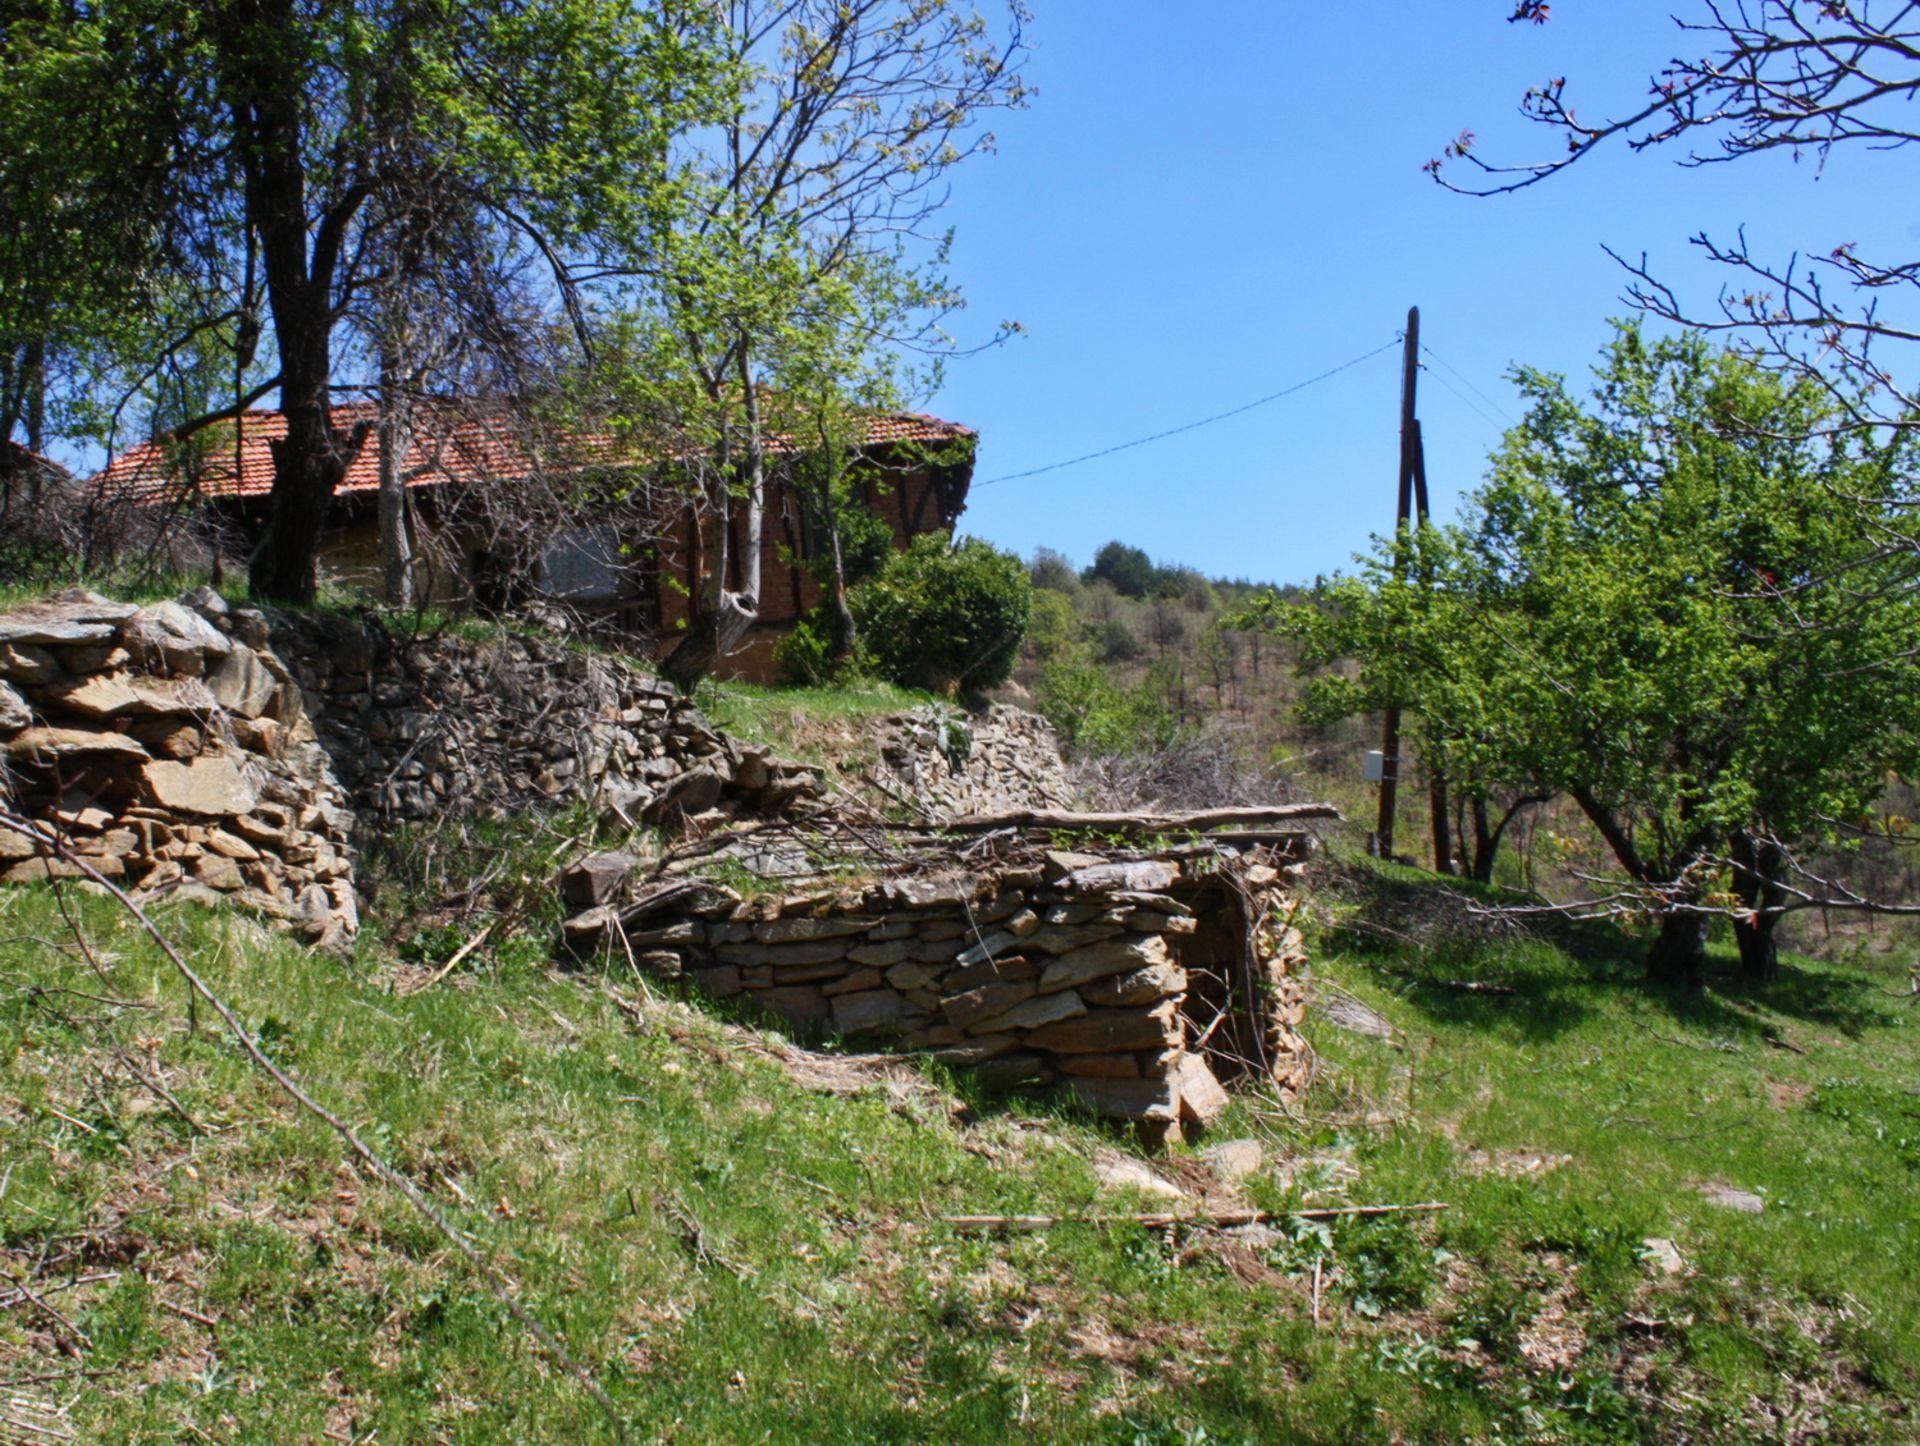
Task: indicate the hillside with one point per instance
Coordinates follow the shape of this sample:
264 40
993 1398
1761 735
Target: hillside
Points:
739 1238
539 1197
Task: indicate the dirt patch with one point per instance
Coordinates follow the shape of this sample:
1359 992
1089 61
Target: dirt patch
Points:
1785 1094
1513 1164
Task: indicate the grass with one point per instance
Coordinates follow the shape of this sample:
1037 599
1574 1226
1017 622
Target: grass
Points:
813 725
739 1257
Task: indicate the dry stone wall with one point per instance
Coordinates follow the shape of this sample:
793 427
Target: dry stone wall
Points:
445 725
952 763
1139 983
169 748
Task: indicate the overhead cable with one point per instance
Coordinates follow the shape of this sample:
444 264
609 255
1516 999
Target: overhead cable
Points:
1203 422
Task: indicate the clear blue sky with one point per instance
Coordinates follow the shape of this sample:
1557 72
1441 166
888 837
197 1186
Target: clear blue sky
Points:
1207 204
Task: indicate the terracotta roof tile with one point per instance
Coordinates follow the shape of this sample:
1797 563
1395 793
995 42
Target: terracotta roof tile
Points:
469 449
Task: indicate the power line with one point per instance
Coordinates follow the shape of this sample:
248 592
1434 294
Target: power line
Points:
1191 426
1469 381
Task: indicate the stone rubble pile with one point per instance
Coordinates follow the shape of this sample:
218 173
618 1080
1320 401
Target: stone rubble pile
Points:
1137 982
169 747
953 764
446 725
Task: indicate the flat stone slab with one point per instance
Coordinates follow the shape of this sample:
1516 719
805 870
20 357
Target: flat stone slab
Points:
210 785
1745 1201
65 742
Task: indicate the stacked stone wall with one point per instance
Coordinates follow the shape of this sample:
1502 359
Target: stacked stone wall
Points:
1140 983
443 725
169 748
952 764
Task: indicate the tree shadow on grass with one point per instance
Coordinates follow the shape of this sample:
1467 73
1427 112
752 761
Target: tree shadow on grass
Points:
1457 960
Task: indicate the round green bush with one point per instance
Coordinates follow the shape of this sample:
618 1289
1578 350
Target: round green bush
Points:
949 619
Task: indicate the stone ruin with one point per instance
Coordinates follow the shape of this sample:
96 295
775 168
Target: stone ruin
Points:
1142 983
193 749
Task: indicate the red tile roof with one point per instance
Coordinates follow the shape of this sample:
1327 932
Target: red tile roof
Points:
471 448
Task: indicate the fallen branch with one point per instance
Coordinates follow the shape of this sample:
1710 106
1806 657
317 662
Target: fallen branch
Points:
495 1285
1220 1219
162 1092
1133 822
458 954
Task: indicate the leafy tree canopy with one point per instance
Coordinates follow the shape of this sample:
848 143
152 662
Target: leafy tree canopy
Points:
1663 605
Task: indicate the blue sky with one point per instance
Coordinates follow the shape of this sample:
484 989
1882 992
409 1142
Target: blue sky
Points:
1204 205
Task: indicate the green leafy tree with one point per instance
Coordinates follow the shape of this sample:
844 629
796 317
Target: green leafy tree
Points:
1663 606
788 259
251 152
1128 570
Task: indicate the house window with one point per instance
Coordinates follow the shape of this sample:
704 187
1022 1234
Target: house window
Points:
584 564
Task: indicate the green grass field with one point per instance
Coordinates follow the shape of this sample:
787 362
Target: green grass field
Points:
742 1245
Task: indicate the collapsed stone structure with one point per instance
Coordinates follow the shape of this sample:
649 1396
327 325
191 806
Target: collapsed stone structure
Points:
190 748
170 748
1140 982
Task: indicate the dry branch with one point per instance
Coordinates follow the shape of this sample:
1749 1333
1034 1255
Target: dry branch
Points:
1221 1219
1150 823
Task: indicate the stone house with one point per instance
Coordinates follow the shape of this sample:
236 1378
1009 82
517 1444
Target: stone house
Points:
501 519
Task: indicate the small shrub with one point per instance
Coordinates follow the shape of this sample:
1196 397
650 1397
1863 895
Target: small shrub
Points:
946 618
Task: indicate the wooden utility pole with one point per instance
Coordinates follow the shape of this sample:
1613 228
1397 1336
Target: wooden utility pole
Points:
1412 502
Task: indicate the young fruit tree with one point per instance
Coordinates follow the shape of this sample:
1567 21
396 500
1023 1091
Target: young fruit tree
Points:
790 254
1662 606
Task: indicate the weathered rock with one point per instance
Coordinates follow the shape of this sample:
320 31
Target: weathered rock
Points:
1057 939
241 684
210 785
14 712
1142 876
695 791
870 1012
27 664
1202 1100
1136 986
53 743
1128 1099
801 1006
1117 1172
1006 1070
792 930
722 982
1234 1160
827 950
989 947
1014 966
880 955
1041 1010
1106 1031
1098 961
597 879
967 1009
1101 1066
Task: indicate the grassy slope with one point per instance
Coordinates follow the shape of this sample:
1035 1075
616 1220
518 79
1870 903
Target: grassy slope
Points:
740 1258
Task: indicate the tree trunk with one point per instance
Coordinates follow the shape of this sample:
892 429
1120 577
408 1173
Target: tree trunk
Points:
1442 825
396 436
1756 873
1486 843
1679 953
